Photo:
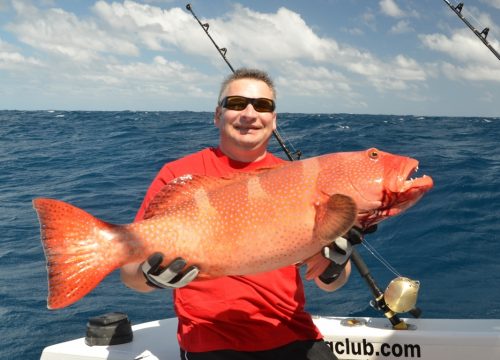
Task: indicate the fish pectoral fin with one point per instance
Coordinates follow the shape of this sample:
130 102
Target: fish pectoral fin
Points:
334 218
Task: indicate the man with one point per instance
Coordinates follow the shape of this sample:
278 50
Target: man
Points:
258 316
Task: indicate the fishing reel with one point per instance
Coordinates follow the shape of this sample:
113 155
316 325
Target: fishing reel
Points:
401 294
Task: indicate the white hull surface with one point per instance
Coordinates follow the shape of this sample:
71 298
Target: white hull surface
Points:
364 338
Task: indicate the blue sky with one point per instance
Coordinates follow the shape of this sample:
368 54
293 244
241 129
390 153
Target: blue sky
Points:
326 56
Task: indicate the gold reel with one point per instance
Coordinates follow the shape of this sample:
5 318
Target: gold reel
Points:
401 294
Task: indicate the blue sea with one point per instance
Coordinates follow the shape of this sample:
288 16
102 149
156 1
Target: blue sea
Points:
103 162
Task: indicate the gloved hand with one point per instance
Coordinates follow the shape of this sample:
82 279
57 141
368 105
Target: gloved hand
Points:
170 276
340 252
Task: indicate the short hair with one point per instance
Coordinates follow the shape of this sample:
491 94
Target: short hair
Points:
246 73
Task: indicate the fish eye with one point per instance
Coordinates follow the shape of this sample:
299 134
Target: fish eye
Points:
373 154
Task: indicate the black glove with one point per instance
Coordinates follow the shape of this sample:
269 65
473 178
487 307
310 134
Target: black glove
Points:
340 252
170 276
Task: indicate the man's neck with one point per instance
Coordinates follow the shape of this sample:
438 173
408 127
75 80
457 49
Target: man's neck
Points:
243 155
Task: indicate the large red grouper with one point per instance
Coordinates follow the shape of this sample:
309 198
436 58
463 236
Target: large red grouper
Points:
243 224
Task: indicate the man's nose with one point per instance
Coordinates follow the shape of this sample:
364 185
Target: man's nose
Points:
249 111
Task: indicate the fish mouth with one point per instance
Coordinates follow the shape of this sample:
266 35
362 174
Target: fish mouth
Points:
406 189
401 188
411 181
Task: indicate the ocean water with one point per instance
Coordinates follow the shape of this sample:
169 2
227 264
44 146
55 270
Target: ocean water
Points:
103 162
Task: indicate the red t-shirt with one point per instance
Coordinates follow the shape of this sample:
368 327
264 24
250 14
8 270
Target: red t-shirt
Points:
246 313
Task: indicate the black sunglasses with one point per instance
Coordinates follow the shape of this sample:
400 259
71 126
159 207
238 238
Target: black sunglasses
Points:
241 102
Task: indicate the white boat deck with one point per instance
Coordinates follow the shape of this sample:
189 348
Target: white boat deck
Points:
372 338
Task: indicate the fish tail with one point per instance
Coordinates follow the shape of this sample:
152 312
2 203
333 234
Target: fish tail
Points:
80 250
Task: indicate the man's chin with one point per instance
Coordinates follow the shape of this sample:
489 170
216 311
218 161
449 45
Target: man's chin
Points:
248 137
250 144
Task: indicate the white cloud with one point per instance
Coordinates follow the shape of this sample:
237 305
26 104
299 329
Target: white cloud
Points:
354 31
402 26
254 37
392 75
281 40
11 58
5 46
311 80
159 70
318 85
251 36
406 68
271 36
493 3
161 2
285 36
390 8
149 25
402 73
137 47
15 60
369 19
476 62
62 33
463 46
95 54
471 72
159 77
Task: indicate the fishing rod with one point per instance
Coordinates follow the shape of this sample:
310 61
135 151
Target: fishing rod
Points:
481 35
222 51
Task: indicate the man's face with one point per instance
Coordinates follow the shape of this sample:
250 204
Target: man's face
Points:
247 129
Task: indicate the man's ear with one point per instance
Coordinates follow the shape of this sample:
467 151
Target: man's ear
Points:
218 116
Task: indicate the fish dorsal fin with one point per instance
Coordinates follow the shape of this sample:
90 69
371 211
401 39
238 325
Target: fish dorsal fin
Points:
180 190
183 188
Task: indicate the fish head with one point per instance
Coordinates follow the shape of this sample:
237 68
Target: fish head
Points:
381 184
